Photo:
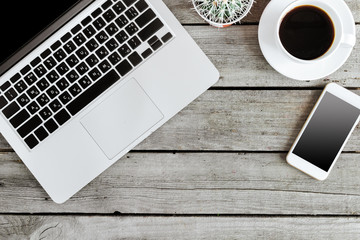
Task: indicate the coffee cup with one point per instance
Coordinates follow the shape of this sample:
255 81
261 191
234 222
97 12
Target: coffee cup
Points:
311 30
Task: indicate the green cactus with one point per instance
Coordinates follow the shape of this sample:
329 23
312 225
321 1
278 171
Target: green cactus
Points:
221 11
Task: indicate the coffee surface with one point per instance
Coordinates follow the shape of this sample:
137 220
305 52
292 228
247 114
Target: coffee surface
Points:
307 32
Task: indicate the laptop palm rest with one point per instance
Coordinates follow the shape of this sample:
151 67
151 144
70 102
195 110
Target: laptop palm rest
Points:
121 119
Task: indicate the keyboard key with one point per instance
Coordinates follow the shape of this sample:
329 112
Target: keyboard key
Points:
112 44
102 37
23 100
82 53
166 37
51 126
35 62
50 63
79 39
119 7
131 13
112 29
62 117
3 102
131 29
124 50
19 118
29 126
145 18
5 86
99 23
122 37
96 13
25 70
46 53
85 82
45 113
129 2
106 5
62 84
134 42
33 107
66 37
14 78
141 5
42 84
69 47
40 71
20 86
76 29
11 94
102 52
41 133
65 98
30 79
72 61
95 74
156 45
72 76
62 68
150 29
75 90
10 110
92 60
33 92
93 92
89 31
52 92
82 68
56 45
153 40
42 100
92 45
135 59
104 66
31 141
114 58
109 15
53 76
121 21
86 21
59 55
124 67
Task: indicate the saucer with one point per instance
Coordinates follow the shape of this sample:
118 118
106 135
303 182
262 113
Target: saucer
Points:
289 67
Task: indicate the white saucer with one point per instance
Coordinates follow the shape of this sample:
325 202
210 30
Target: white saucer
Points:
290 67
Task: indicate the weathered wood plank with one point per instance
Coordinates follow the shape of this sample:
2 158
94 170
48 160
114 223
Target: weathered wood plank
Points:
193 183
238 120
274 228
183 10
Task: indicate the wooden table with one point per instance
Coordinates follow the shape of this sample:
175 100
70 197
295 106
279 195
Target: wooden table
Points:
217 170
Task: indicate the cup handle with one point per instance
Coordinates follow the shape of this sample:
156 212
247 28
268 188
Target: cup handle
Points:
348 40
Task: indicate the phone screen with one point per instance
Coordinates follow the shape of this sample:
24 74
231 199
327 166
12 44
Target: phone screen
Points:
326 131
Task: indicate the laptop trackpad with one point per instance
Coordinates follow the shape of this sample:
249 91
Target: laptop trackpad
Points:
122 118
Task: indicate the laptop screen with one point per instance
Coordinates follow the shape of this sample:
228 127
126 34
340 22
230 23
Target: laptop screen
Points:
23 20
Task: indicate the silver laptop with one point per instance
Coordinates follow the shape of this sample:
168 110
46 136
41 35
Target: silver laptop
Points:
84 82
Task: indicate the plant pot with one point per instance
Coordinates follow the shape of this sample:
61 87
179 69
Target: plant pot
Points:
247 4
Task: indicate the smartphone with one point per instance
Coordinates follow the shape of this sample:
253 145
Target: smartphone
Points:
325 132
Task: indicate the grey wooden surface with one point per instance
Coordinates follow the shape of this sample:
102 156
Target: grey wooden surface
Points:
217 170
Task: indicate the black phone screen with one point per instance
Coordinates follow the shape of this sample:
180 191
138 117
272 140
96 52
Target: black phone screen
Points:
326 131
23 20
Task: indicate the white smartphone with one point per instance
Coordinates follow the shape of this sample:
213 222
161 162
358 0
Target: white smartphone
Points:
325 132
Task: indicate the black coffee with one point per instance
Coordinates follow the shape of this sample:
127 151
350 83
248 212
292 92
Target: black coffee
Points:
307 32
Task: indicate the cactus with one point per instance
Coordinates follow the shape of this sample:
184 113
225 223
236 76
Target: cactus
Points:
221 11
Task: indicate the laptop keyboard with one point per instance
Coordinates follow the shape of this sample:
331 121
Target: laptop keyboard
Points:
80 66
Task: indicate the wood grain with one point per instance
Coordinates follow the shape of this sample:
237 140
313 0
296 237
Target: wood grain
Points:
193 183
232 120
62 227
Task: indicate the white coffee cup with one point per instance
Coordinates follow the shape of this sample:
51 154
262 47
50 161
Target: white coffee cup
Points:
341 39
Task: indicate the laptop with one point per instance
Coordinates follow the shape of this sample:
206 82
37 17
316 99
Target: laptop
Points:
84 82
